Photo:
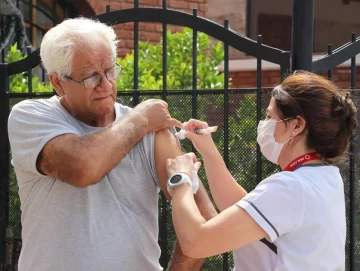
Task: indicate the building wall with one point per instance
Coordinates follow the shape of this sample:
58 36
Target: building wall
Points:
331 16
218 11
150 32
270 78
272 19
235 12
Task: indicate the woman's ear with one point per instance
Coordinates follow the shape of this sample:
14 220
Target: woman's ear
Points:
300 125
56 83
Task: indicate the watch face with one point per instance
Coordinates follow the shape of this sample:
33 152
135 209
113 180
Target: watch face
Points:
175 179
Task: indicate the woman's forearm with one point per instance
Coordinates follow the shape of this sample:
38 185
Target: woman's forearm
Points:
186 216
224 189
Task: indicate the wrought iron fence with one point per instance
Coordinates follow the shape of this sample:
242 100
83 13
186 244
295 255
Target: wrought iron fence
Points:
216 104
350 169
236 111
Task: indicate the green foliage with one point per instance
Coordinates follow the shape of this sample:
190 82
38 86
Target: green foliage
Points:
14 206
179 64
14 54
242 144
19 82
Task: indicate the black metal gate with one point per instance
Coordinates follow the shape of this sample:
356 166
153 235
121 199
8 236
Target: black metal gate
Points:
224 107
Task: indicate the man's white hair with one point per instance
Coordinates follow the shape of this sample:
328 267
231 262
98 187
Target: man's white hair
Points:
60 43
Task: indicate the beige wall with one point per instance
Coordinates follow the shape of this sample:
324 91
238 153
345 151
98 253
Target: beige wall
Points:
232 10
334 21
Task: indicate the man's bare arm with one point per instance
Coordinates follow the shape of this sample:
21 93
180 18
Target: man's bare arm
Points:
82 161
166 146
178 260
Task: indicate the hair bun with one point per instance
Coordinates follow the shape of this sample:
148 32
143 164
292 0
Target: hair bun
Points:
339 107
345 110
350 115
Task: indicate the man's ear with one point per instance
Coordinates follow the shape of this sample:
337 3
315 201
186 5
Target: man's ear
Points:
56 83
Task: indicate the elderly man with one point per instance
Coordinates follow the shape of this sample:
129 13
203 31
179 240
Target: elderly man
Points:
89 169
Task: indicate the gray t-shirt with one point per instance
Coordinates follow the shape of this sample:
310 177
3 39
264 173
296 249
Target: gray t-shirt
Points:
111 225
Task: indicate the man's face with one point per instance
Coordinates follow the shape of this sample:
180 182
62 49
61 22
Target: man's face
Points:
96 102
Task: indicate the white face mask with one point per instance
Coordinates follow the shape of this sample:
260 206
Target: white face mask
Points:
266 140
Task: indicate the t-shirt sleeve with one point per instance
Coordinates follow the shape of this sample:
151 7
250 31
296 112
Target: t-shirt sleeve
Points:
148 143
276 204
148 147
31 125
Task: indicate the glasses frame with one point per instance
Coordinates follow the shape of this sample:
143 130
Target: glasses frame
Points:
82 82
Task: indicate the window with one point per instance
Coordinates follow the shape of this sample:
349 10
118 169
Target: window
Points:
41 15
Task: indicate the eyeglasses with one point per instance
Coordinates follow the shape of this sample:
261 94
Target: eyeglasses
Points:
95 80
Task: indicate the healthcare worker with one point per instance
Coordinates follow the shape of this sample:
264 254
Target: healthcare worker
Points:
294 219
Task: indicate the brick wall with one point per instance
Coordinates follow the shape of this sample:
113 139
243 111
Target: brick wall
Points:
247 79
151 32
235 12
98 5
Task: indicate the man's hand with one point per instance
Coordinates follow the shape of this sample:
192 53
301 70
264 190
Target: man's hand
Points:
156 113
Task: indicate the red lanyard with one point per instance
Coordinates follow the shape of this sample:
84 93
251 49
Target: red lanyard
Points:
301 160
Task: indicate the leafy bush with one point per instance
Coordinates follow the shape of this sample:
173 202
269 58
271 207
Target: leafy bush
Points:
19 82
179 64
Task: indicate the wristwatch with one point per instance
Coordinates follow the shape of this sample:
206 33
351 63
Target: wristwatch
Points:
177 180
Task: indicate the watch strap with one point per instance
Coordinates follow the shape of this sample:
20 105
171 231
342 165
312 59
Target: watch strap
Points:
195 181
184 180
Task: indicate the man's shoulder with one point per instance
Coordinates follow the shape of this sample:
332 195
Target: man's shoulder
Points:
46 110
31 105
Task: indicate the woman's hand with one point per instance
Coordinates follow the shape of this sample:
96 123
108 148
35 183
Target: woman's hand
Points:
182 164
202 142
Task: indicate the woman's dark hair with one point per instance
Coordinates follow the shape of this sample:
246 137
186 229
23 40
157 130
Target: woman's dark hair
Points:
330 116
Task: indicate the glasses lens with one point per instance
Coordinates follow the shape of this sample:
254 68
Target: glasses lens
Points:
92 81
118 70
114 73
111 75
